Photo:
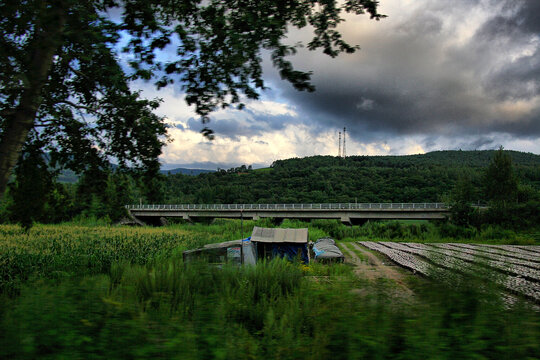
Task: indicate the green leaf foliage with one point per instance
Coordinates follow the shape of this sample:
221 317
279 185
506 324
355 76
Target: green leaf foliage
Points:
68 66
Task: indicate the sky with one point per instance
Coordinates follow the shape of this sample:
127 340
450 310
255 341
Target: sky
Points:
433 75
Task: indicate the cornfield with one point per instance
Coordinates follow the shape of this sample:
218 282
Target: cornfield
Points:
58 251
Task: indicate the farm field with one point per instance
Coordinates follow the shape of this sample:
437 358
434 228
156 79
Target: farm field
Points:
516 269
94 291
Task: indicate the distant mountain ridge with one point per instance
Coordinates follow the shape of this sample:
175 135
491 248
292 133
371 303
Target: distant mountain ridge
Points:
185 171
68 176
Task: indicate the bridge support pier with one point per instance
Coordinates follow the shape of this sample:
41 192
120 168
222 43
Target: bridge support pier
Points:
357 221
151 220
202 220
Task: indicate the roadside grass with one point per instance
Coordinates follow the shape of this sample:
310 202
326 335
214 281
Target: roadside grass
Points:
350 248
271 311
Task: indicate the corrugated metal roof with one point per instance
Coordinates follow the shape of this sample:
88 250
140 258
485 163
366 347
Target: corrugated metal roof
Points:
223 244
278 235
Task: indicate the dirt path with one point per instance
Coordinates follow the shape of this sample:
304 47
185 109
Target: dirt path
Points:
369 266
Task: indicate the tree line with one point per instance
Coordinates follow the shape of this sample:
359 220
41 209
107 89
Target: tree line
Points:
504 179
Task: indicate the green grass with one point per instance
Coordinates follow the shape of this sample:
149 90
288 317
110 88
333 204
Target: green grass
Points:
269 311
351 248
114 292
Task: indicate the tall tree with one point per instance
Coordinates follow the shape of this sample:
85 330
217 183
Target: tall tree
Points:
61 71
499 180
461 198
33 183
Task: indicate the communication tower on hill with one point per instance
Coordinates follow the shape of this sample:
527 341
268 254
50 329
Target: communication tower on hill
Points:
339 146
344 152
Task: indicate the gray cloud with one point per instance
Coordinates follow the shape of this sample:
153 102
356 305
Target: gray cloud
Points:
255 125
413 77
527 16
482 143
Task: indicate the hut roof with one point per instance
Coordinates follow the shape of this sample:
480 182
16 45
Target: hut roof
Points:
278 235
223 244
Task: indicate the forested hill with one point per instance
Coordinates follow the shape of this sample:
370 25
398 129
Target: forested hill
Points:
410 178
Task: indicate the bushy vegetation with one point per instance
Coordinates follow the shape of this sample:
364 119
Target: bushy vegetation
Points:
413 178
270 311
94 291
456 177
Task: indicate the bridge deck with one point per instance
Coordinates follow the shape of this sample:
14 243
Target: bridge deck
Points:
300 207
349 213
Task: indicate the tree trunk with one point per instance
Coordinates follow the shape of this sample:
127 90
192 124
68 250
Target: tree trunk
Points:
40 58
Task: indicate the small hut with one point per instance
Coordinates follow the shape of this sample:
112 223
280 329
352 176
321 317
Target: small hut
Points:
269 243
264 243
220 253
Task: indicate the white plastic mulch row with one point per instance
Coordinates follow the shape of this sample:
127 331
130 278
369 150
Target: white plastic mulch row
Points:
465 263
522 257
498 262
406 260
455 261
516 249
534 248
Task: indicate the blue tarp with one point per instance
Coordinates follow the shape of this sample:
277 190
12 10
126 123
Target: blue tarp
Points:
291 251
326 249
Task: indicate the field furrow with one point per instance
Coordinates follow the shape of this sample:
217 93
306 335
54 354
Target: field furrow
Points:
401 258
522 257
529 250
455 261
497 262
443 249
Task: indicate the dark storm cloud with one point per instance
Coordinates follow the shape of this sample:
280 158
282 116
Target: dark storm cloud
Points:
254 125
416 77
528 16
482 143
517 80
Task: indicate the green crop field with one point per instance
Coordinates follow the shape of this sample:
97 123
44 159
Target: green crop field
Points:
91 291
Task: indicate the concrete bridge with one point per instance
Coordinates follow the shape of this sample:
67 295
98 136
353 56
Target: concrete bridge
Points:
348 213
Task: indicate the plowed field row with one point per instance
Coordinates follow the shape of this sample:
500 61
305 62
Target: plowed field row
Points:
521 257
517 276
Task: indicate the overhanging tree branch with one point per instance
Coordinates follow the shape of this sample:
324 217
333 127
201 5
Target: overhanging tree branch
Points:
69 50
81 107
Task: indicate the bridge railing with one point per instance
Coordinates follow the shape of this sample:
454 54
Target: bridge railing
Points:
316 206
